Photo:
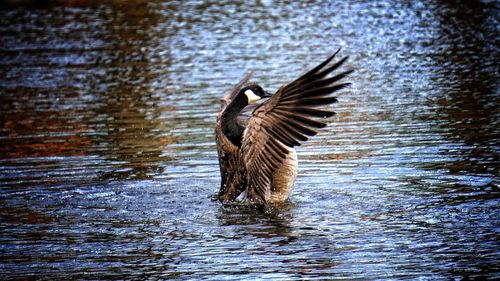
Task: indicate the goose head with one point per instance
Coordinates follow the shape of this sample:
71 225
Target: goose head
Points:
254 93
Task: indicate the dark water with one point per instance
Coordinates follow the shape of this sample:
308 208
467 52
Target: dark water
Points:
108 167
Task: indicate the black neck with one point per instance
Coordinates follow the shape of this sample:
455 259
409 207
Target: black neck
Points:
231 129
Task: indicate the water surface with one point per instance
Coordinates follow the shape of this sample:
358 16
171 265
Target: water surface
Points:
108 166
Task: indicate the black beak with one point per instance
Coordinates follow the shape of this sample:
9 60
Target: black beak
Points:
267 94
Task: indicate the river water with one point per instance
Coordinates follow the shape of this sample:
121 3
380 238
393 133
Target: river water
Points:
108 166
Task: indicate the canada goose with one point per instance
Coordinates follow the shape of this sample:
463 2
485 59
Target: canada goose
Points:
256 153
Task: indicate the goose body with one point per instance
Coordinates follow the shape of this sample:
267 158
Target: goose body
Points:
256 152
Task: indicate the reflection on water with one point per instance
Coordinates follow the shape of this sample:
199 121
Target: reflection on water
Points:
108 162
469 85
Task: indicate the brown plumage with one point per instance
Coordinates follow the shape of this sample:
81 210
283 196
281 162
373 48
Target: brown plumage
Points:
256 153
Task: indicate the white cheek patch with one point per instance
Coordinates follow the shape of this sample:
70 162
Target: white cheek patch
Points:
251 96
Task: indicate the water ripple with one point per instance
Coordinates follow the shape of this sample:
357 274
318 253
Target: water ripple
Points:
108 167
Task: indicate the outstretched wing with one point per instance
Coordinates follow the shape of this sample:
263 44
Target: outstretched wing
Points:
231 181
286 120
